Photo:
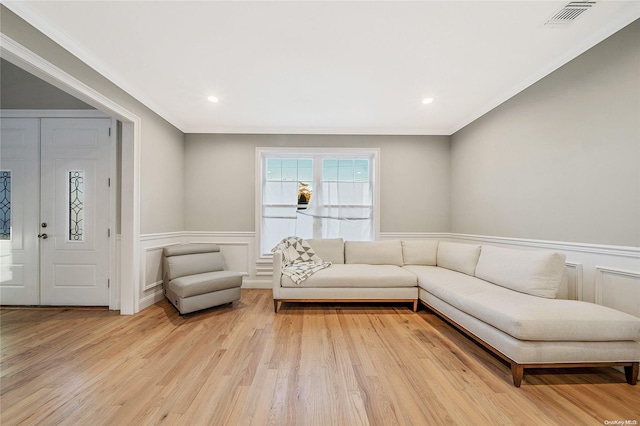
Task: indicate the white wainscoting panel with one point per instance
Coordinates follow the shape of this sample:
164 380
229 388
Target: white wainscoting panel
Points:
618 289
574 272
151 246
596 273
153 268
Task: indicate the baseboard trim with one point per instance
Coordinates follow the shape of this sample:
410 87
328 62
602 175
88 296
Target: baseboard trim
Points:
151 299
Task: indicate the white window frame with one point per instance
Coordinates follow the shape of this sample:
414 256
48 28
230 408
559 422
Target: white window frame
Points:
262 153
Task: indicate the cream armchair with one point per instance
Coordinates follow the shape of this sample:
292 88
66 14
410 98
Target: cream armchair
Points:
194 277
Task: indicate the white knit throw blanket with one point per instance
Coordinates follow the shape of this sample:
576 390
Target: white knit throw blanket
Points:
299 259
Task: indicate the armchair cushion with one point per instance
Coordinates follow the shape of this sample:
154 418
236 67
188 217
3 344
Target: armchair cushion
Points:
192 259
193 285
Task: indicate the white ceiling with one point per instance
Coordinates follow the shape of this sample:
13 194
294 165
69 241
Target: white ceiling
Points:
323 67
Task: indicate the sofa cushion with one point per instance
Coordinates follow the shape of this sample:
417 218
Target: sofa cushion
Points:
534 272
329 249
458 257
420 252
194 285
357 275
527 317
373 252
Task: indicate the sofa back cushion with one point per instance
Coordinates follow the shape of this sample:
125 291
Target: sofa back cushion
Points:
373 252
191 259
534 272
458 257
329 249
420 252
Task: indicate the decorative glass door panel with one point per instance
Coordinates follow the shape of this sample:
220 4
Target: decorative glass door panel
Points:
5 204
76 205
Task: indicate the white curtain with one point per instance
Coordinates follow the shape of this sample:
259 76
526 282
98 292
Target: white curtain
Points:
279 218
340 209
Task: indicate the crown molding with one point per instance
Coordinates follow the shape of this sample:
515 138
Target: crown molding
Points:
284 130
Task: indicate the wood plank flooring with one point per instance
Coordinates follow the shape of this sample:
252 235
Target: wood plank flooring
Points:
311 364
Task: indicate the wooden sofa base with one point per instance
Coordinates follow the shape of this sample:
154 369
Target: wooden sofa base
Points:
517 370
630 369
278 302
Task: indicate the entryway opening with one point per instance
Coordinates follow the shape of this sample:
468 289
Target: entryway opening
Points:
123 253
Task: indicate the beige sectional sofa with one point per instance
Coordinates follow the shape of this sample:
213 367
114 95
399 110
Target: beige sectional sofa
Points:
511 301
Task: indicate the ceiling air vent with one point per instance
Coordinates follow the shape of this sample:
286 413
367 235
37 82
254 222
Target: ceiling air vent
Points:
570 12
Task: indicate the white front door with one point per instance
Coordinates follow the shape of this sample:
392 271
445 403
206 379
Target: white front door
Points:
68 205
74 258
19 212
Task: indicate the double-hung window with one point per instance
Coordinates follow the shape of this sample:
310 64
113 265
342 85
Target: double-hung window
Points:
316 194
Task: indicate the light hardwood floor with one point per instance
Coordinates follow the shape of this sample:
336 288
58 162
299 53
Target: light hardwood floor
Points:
311 364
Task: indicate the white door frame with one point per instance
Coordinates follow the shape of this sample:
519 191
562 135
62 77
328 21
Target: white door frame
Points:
128 282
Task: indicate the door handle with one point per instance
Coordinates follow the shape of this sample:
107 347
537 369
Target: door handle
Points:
43 236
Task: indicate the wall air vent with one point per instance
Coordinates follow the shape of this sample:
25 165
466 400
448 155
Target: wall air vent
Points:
570 12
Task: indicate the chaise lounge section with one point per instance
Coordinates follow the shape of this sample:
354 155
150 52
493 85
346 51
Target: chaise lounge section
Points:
508 305
510 301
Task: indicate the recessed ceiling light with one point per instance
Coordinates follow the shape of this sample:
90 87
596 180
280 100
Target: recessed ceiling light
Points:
212 99
427 101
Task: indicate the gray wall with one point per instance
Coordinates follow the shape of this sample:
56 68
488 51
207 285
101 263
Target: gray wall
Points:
561 160
162 149
220 179
21 90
